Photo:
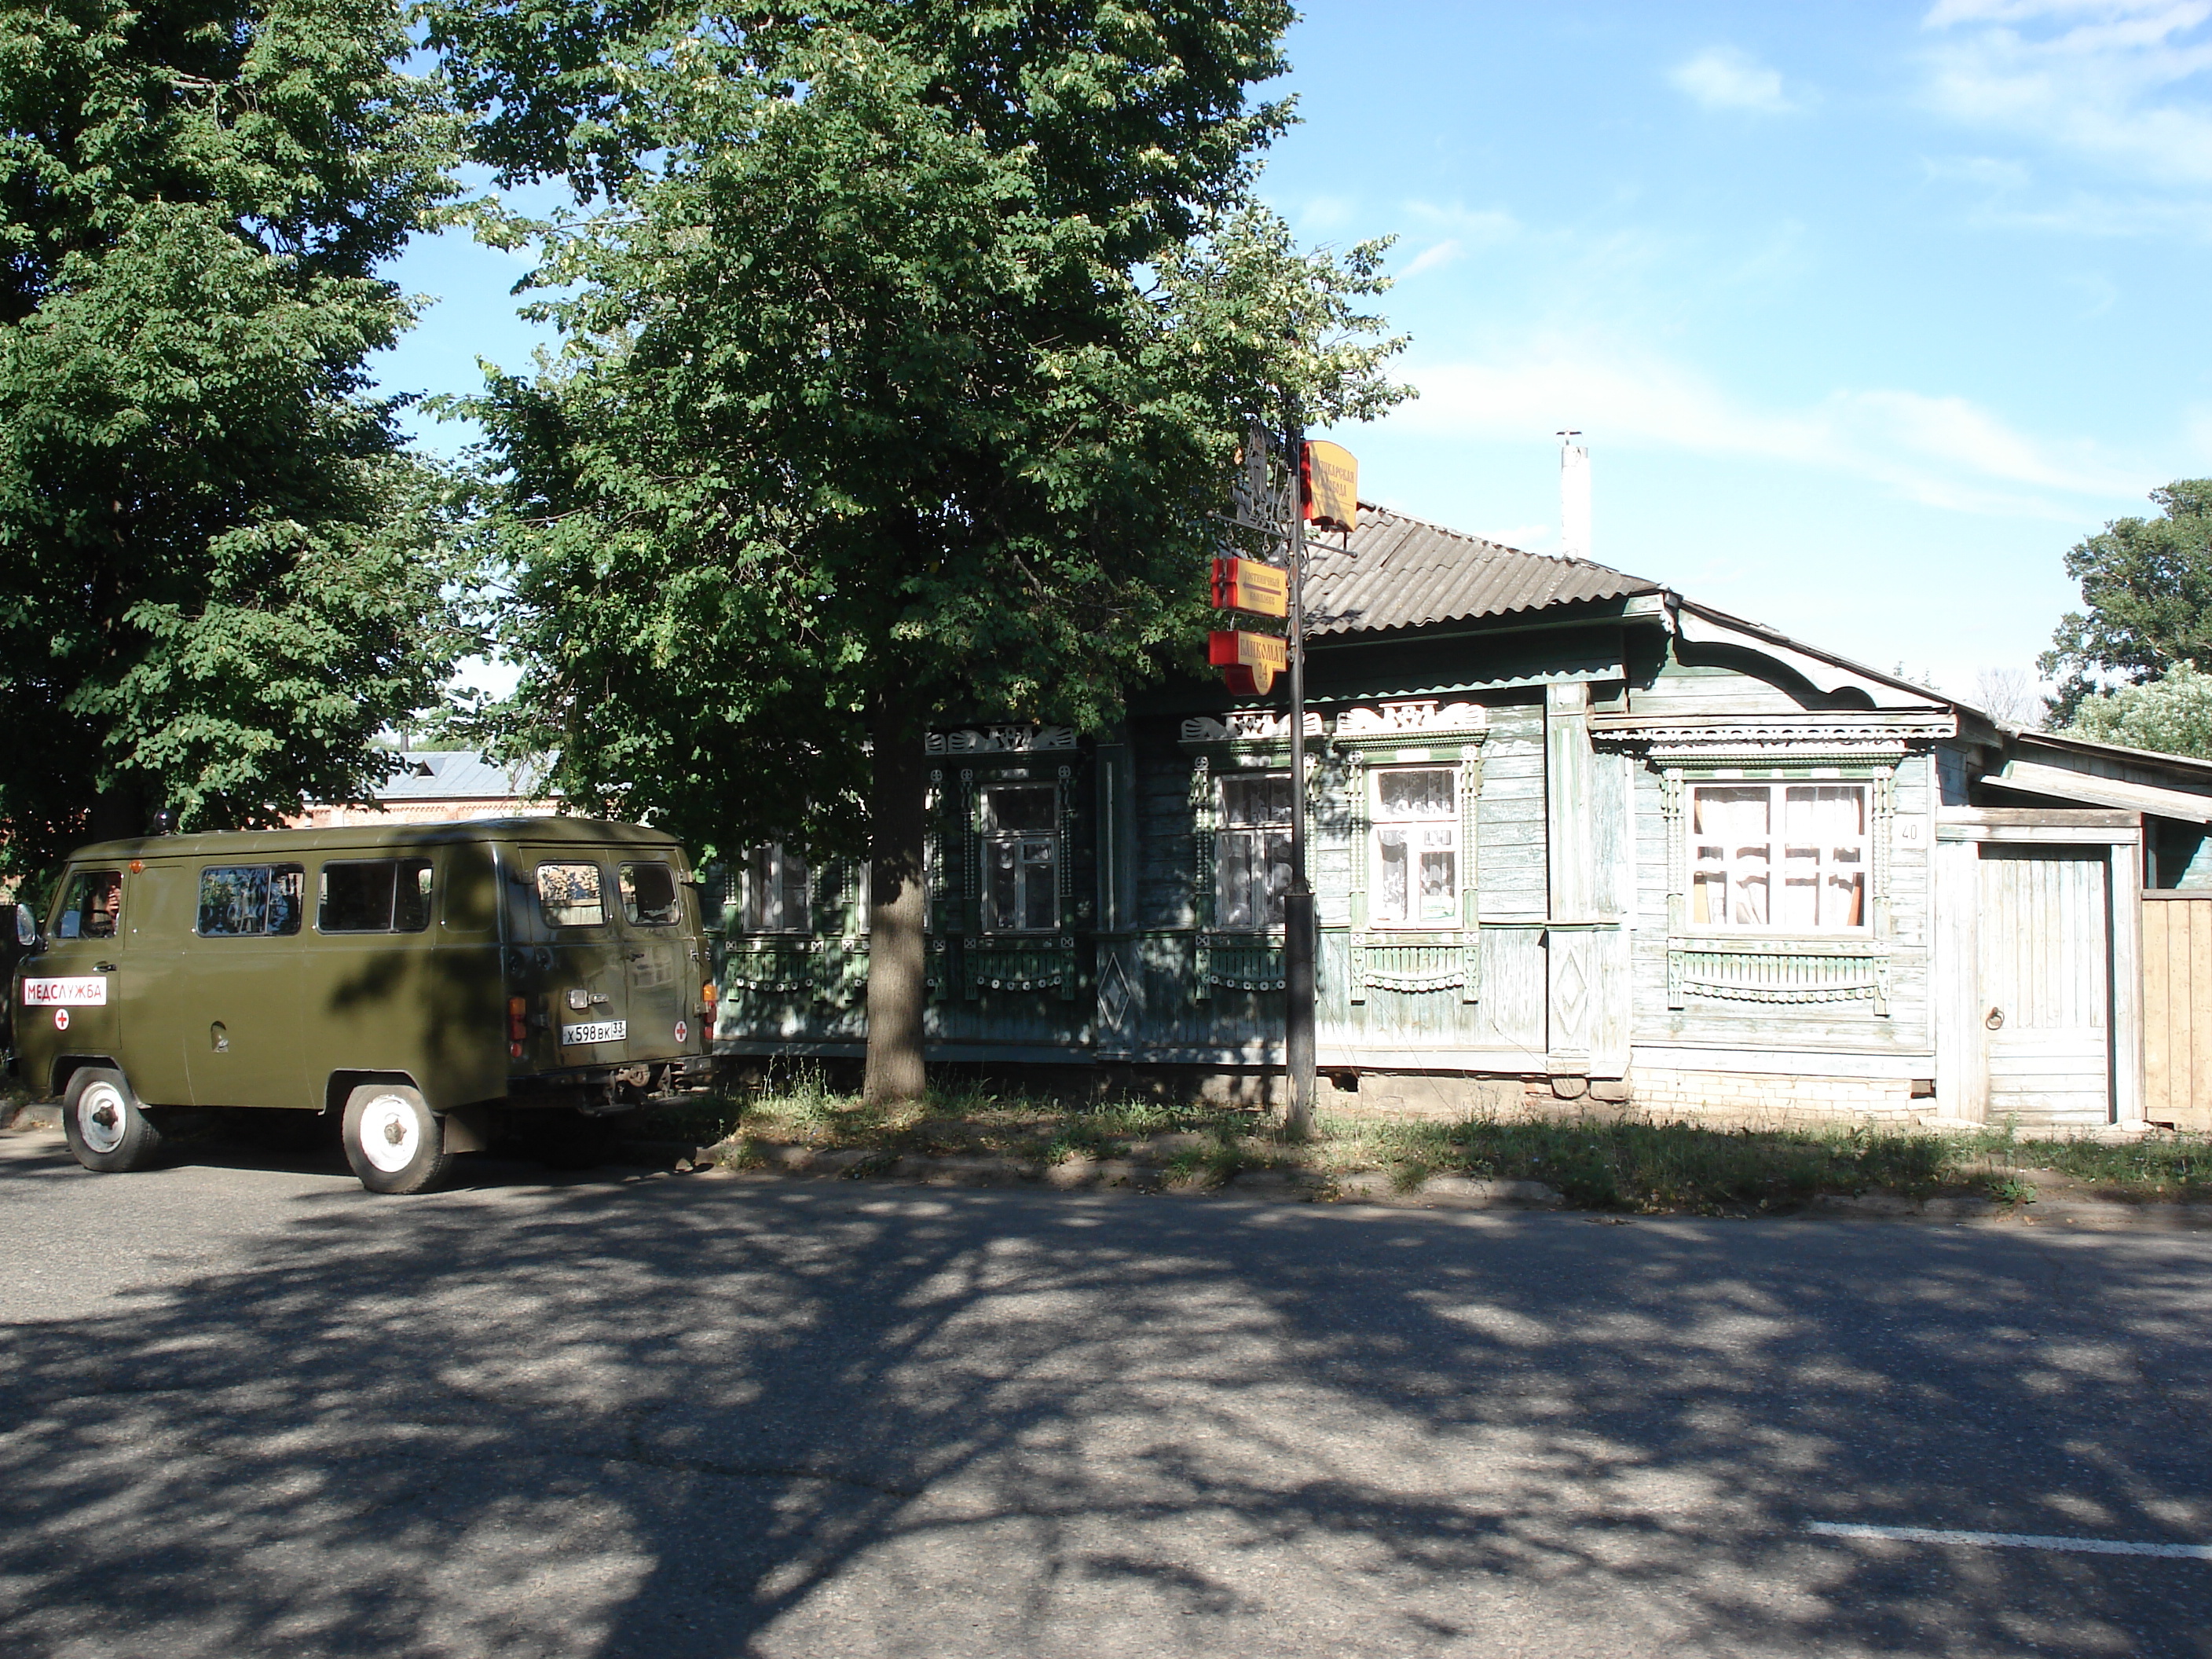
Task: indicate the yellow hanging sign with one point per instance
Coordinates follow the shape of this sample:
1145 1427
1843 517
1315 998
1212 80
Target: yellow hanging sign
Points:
1331 479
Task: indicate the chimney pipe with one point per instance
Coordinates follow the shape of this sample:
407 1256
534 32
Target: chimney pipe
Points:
1574 495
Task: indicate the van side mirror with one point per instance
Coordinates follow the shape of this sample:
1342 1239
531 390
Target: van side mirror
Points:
27 926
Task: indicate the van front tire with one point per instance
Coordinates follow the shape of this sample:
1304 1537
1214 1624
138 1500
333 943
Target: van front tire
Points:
108 1131
394 1142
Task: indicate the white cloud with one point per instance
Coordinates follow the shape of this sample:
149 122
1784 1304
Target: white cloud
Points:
1943 452
2118 82
1723 77
1323 214
1481 226
1984 170
1434 257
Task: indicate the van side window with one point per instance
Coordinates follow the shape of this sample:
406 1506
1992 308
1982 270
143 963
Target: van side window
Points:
648 896
239 900
91 907
569 895
374 896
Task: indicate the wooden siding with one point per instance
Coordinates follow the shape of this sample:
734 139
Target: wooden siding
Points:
2176 950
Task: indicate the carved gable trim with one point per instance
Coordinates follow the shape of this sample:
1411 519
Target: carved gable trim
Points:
999 739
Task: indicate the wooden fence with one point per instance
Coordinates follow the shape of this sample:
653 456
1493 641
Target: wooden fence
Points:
2177 953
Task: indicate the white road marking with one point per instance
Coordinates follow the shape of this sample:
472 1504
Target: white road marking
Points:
2015 1541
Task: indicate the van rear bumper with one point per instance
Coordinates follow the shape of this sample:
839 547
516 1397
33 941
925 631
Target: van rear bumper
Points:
604 1090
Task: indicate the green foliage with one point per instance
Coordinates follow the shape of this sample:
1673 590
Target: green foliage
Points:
2146 584
2172 714
906 354
221 574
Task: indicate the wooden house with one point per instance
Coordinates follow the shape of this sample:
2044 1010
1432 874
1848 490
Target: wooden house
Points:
1575 837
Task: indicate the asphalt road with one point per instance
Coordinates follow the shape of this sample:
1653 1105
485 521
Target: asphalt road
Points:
249 1409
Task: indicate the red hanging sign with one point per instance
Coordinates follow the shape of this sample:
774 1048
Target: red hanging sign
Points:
1249 662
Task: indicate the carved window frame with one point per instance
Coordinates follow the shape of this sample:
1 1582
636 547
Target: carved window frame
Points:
1773 967
1243 742
1411 733
965 960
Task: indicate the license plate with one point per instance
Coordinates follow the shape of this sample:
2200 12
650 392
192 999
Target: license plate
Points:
603 1030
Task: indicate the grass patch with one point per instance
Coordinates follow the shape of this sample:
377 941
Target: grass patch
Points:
1645 1167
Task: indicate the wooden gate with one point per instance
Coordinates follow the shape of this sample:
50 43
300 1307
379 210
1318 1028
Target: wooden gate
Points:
2045 988
2178 1008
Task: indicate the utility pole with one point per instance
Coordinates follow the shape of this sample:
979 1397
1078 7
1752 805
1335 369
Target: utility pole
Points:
1299 903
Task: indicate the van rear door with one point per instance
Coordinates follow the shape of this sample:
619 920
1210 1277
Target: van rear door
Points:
663 979
568 898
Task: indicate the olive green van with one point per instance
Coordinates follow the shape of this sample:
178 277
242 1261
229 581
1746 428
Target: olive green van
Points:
427 983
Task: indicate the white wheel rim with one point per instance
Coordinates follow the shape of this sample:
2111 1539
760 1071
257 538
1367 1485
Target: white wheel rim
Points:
390 1133
102 1116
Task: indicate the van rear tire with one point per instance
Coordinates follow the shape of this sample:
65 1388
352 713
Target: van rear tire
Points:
392 1139
108 1131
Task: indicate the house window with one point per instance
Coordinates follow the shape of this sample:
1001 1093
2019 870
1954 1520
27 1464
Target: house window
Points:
778 891
1791 857
1415 880
1021 856
1251 852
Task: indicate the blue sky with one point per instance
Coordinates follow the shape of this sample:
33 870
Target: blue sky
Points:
1868 312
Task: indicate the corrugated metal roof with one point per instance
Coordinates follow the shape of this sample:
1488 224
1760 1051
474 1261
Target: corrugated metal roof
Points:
459 775
1403 572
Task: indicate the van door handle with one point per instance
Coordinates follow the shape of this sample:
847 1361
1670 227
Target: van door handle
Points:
104 967
637 956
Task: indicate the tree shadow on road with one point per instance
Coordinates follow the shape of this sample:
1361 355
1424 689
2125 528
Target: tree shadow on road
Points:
716 1417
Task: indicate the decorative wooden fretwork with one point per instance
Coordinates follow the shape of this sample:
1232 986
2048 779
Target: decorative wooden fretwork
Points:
832 970
1007 964
1000 740
1777 972
1237 962
1392 964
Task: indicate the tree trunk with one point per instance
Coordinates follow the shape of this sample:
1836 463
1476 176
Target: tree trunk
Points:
897 952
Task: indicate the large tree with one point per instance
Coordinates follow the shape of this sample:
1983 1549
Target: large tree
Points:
907 346
220 574
2147 594
2172 714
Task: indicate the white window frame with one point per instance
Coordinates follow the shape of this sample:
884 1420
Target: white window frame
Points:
1225 834
765 903
1378 826
1705 855
1026 871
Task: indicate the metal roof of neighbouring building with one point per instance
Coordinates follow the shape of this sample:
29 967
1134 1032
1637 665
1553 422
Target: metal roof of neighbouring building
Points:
460 774
1404 572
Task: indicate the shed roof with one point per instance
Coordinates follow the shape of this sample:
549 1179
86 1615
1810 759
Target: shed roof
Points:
1404 572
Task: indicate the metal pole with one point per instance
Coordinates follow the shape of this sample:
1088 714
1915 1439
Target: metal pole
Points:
1299 903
